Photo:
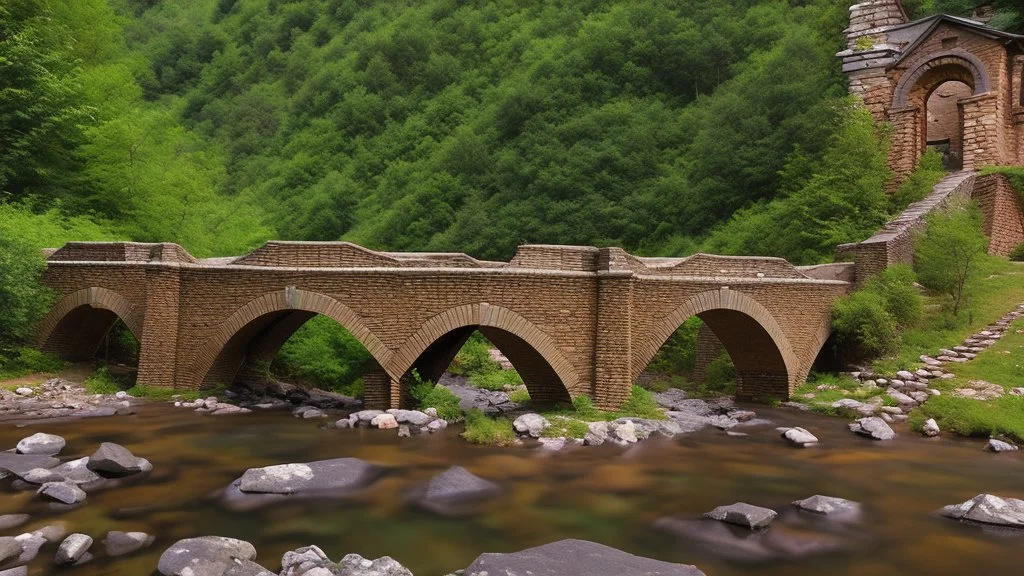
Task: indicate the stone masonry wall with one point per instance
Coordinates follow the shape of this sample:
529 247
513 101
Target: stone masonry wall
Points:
1003 211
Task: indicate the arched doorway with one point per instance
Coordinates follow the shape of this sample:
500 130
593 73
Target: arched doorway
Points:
944 124
79 325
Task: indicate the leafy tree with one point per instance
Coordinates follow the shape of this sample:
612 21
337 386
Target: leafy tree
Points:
863 325
947 253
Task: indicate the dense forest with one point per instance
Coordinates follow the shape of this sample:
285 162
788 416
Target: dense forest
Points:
665 127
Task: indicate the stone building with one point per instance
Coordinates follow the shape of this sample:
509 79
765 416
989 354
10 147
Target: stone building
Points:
945 81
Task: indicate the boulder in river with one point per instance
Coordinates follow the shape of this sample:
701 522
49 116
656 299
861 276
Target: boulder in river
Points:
799 437
205 555
930 428
779 542
115 460
454 487
40 443
574 557
356 565
531 424
1000 446
873 427
319 476
9 548
73 549
743 514
988 509
118 543
64 492
20 464
828 506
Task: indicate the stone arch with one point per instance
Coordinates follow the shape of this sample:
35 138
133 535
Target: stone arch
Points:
534 354
75 326
764 358
221 355
954 63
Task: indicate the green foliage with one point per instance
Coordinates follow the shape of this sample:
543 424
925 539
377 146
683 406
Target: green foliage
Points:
496 380
920 182
896 287
1017 255
102 382
720 377
474 357
862 322
584 408
322 353
837 199
565 427
1009 14
142 390
641 404
947 254
828 388
520 395
481 429
427 395
23 298
676 356
21 360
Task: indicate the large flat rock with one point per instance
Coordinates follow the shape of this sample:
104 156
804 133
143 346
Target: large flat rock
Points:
988 509
20 464
204 556
320 476
567 557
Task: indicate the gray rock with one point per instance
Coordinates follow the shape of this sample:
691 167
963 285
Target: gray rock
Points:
799 437
16 571
930 428
320 476
597 434
228 409
574 557
905 375
42 476
414 417
622 433
73 548
24 391
454 486
9 548
854 405
77 471
122 543
743 514
30 545
874 428
204 556
64 492
779 542
40 443
901 398
1000 446
403 431
1017 391
115 460
384 422
828 506
356 565
988 509
8 521
301 559
531 424
365 416
20 464
240 567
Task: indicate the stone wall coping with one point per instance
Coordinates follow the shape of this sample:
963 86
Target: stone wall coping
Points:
446 271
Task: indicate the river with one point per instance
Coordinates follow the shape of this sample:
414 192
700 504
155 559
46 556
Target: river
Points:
606 494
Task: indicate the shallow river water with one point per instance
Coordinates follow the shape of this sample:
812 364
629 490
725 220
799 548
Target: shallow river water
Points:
606 494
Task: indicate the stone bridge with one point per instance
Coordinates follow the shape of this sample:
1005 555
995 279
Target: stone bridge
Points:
572 320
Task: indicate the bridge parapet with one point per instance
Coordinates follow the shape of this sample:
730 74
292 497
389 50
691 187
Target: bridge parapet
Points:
291 254
120 252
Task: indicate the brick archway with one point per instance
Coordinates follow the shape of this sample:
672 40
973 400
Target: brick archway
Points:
547 373
75 326
954 62
766 364
222 354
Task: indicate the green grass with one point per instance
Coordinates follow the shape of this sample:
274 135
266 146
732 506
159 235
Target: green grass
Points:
427 395
491 431
102 382
496 380
839 387
23 360
565 427
1000 290
1002 363
520 395
968 417
162 393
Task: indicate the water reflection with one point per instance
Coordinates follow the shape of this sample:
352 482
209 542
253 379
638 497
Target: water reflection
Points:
605 494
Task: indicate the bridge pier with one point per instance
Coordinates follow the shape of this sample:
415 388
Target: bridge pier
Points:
158 343
613 341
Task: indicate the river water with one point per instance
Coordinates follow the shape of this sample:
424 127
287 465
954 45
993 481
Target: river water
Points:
605 494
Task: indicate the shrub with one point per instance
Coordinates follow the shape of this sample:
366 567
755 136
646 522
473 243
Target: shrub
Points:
496 380
1017 255
947 253
902 300
565 427
583 406
474 358
23 298
322 353
101 382
427 395
22 360
492 431
641 404
520 395
720 375
862 323
921 182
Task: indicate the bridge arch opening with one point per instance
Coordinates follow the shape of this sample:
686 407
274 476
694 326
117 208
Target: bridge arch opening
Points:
547 375
90 323
337 349
732 328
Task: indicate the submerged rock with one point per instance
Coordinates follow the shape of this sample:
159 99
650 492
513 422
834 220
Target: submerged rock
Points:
743 514
40 443
453 487
573 557
118 543
205 555
319 476
988 509
1000 446
828 506
874 428
20 464
779 542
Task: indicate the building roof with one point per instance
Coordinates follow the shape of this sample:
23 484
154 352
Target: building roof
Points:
919 30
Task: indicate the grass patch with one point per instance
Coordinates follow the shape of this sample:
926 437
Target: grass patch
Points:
427 395
102 382
520 395
1002 363
835 387
496 380
491 431
161 393
565 427
968 417
23 360
1000 288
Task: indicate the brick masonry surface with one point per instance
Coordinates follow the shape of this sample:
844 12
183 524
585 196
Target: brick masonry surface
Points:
572 319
